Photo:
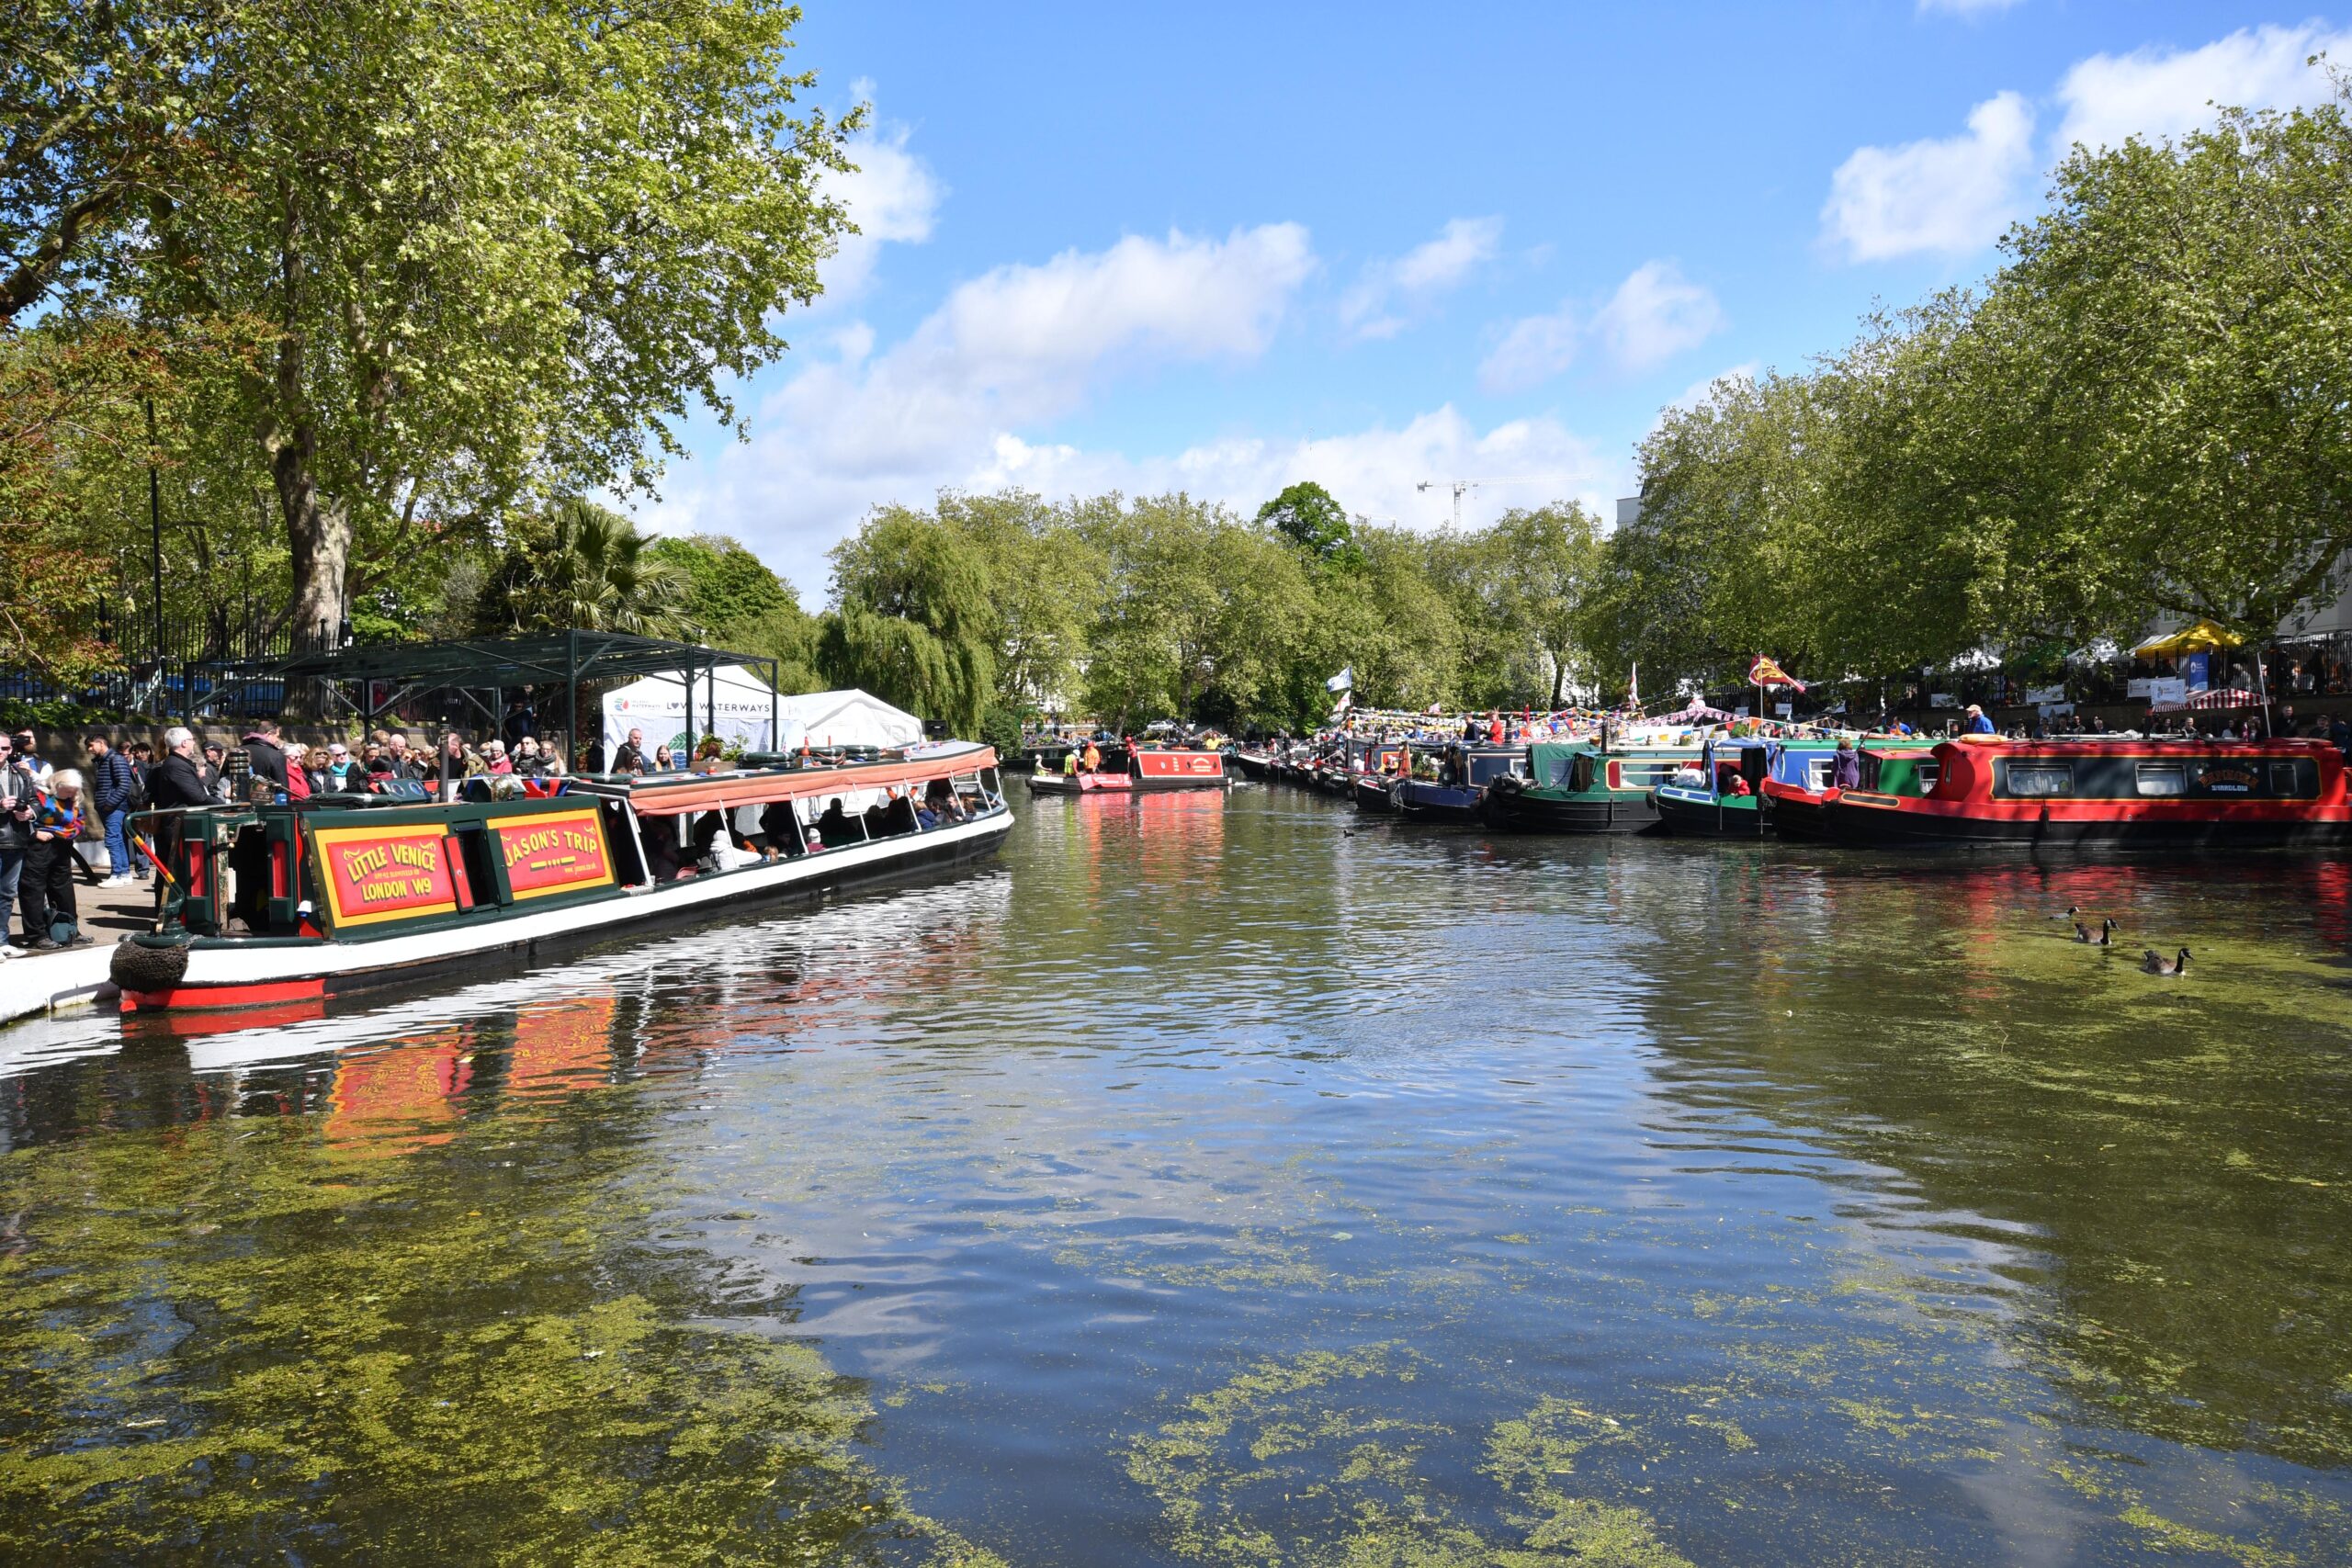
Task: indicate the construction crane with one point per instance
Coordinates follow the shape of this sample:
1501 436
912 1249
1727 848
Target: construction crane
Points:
1460 487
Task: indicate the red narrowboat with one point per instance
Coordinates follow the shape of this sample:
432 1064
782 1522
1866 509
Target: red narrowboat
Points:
2125 793
1148 770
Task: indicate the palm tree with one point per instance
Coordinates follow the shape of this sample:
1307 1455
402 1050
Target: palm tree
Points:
581 566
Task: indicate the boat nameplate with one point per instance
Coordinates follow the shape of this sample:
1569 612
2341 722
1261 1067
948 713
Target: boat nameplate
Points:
549 852
385 873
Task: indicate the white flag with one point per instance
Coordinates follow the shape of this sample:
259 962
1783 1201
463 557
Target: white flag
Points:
1345 680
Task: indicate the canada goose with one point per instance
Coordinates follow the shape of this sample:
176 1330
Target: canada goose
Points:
2156 963
2105 937
2072 910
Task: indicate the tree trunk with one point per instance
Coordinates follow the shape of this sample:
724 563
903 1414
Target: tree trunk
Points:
318 535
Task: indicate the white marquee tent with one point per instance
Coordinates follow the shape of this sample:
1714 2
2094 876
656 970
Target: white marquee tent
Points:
737 705
845 719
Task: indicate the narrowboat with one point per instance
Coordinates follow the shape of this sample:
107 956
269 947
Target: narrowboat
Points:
1148 770
1899 767
1463 773
1574 786
295 902
2105 791
1374 767
1731 798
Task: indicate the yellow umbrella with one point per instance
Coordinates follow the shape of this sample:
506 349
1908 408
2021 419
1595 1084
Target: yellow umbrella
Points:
2202 638
2206 637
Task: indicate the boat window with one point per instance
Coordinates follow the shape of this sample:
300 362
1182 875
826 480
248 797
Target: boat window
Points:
1487 770
1928 771
1819 772
1580 773
2034 780
2162 778
2291 780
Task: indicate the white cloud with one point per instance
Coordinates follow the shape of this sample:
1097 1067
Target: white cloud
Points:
1380 302
1017 347
1535 349
1374 472
1953 194
1655 314
2152 92
892 197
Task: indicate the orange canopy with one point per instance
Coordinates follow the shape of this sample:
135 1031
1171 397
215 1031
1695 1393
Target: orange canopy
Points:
714 792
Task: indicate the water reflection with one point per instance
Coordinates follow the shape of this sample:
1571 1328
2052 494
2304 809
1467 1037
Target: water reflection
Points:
1215 1183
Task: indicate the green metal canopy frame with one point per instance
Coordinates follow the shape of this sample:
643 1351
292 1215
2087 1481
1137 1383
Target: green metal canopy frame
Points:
388 673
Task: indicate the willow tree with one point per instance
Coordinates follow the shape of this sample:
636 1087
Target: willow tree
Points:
497 248
910 619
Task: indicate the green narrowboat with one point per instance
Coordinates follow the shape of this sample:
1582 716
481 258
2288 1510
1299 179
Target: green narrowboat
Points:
1574 786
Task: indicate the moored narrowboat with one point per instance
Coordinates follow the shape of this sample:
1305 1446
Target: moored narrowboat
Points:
1463 772
1575 787
295 902
2105 791
1733 796
1145 770
1795 809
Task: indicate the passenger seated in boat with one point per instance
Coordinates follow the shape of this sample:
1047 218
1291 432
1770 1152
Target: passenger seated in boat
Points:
878 820
939 799
834 828
898 817
658 837
780 828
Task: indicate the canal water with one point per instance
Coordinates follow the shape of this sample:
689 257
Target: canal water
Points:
1232 1182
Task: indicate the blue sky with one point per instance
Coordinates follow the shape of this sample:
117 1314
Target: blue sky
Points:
1221 248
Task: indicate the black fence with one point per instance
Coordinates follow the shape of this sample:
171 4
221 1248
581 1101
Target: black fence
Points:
167 670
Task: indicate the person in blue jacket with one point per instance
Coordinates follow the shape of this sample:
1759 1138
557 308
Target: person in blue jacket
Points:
1977 723
112 785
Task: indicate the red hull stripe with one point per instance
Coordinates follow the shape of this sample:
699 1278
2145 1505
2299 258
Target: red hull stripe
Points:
259 995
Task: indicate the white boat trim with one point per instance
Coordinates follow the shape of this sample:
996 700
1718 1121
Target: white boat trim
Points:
236 962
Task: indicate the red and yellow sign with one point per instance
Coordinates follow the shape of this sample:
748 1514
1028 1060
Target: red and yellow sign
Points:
380 873
559 851
1178 764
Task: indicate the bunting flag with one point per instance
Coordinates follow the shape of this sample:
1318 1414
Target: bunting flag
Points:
1764 673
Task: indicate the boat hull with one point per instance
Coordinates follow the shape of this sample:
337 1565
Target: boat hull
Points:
1421 802
242 972
1695 815
1372 794
1597 811
1894 822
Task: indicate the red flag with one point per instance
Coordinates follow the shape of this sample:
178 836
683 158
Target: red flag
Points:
1764 673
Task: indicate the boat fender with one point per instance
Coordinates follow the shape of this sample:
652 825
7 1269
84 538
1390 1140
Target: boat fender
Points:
1509 783
136 967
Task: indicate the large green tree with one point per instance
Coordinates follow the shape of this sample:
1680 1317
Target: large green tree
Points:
1309 517
498 248
2193 299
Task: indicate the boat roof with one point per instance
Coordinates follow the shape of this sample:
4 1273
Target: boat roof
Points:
669 794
